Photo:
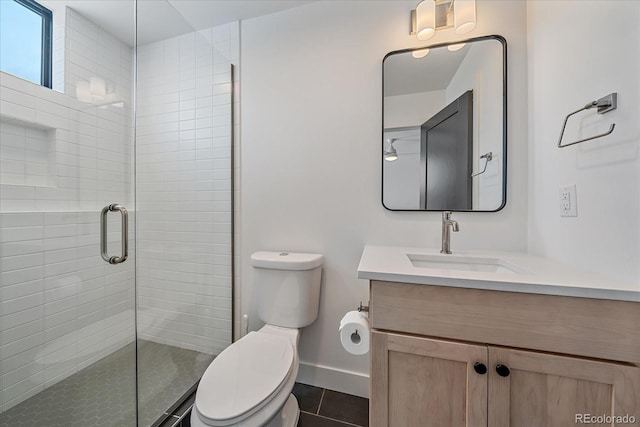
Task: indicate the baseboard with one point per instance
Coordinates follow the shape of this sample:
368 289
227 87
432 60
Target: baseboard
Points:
349 382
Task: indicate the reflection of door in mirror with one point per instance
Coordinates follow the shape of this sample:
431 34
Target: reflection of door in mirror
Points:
447 146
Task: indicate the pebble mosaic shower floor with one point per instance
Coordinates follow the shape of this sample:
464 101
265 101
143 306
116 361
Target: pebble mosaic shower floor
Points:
103 394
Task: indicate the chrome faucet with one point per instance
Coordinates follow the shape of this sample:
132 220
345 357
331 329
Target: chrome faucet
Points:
446 234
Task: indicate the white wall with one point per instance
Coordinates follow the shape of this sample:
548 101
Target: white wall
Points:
402 177
412 109
62 307
401 182
481 71
184 189
311 126
570 65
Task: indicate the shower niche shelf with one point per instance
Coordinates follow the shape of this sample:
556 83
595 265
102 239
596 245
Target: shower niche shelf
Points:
27 153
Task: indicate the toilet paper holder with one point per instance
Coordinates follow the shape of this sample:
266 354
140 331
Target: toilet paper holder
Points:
355 331
362 308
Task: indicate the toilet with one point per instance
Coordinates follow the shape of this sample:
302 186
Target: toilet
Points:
249 384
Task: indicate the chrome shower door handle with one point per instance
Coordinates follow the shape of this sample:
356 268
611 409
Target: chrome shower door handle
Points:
125 233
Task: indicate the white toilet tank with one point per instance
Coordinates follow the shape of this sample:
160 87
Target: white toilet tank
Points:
288 287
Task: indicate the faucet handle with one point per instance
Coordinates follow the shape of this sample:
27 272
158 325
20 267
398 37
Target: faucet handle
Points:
446 220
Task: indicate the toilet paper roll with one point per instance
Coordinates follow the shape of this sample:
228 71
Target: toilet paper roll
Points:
354 332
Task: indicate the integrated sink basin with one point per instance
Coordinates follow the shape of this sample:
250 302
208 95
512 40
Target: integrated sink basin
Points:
463 263
488 270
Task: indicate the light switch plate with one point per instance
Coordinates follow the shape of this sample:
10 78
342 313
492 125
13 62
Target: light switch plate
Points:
568 201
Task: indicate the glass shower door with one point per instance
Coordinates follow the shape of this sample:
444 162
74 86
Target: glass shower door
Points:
67 299
183 202
116 220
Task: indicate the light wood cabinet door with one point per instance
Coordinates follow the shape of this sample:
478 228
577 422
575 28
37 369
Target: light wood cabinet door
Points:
547 390
421 382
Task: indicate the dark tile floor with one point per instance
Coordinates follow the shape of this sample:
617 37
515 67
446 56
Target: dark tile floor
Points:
321 407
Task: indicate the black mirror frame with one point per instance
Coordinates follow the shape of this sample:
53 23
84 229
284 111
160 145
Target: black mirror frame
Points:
503 41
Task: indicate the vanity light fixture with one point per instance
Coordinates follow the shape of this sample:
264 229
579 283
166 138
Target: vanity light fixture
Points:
464 15
425 16
390 153
94 91
454 47
432 15
97 88
420 53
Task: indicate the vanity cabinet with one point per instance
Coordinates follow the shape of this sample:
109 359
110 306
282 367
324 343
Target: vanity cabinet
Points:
549 390
418 381
444 356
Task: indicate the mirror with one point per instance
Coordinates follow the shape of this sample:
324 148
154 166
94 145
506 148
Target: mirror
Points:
444 127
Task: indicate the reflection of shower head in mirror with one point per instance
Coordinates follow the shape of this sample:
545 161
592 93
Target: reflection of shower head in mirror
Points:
390 153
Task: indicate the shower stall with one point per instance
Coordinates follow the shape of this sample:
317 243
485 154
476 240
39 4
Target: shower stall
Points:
116 210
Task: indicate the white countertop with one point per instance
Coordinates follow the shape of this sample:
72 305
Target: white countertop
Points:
535 275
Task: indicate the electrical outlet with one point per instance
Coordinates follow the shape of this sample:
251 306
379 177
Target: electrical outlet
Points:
568 201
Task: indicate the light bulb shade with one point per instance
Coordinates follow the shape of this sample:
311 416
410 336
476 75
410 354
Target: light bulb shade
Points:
454 47
391 157
83 93
420 53
426 19
464 15
98 87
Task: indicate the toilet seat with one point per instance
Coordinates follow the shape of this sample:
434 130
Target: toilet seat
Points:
246 376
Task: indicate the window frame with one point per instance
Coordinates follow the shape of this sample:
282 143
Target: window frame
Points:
46 71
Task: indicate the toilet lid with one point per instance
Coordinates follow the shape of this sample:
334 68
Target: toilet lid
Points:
244 375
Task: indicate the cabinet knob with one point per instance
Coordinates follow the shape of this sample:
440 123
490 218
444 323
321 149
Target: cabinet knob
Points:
502 370
480 368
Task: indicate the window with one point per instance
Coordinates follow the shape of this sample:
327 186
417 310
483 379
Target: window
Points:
25 40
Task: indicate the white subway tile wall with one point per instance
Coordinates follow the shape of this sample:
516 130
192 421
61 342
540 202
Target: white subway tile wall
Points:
62 307
26 154
183 135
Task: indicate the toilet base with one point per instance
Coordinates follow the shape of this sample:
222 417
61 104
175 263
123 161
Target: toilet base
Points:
286 417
